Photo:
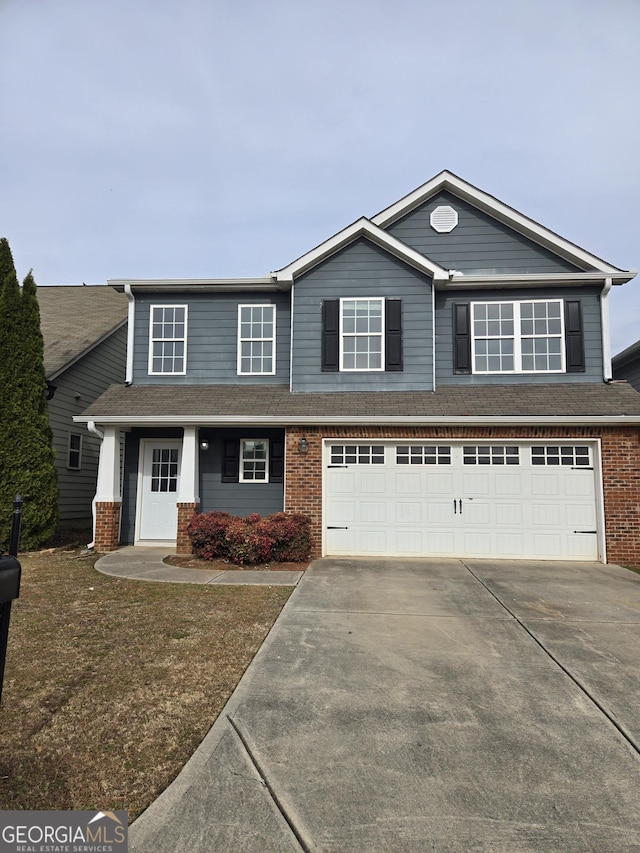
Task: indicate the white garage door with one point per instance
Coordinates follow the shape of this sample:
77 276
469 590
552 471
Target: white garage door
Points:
513 500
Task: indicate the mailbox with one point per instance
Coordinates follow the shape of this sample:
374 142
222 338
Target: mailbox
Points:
10 571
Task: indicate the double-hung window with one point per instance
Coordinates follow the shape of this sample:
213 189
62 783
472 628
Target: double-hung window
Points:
518 337
74 452
256 340
168 340
362 334
254 460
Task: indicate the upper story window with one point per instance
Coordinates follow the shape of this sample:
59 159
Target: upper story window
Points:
256 339
361 334
168 340
518 337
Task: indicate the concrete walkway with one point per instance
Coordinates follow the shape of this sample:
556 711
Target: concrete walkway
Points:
426 705
147 564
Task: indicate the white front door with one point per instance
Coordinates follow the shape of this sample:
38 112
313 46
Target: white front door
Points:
158 490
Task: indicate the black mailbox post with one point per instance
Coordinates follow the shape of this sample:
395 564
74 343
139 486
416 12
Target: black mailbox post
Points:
10 572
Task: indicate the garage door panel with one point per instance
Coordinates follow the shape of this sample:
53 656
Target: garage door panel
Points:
480 503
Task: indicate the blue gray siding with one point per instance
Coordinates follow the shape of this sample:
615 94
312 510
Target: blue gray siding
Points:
362 270
630 372
235 498
212 338
590 300
479 244
77 387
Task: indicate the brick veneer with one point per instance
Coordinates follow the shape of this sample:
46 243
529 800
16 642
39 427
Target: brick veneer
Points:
107 526
186 511
620 472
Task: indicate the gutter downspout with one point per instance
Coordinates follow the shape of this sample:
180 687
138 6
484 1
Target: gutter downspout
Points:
606 332
92 428
128 379
433 331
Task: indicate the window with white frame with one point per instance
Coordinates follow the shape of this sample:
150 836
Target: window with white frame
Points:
256 339
168 339
74 452
254 460
362 334
518 337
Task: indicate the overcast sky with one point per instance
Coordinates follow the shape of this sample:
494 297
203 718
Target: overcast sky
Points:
212 138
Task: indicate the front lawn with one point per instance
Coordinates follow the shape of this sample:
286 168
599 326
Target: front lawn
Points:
110 685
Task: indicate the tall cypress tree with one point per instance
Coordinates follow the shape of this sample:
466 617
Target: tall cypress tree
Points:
26 452
7 267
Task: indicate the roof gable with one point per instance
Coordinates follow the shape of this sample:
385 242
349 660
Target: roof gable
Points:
362 227
447 181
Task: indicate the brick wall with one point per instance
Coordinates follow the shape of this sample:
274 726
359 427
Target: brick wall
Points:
186 511
107 526
620 472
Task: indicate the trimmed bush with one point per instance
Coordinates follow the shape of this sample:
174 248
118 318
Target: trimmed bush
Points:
254 539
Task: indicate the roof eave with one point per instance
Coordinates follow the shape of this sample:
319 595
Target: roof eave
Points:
358 420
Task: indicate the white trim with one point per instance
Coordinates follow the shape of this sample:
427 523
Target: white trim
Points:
108 487
517 338
131 320
292 316
380 334
463 281
362 227
599 481
152 340
253 480
607 368
189 476
498 210
360 420
241 340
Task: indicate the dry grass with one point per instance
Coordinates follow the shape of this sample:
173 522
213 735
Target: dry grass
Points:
110 685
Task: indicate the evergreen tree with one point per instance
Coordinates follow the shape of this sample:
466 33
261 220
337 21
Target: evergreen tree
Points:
7 266
26 451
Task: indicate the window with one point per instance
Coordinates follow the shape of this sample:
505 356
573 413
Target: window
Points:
164 469
518 337
254 460
357 454
423 454
74 452
256 339
168 336
362 334
576 457
491 455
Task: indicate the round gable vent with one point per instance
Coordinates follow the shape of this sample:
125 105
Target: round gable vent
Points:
443 219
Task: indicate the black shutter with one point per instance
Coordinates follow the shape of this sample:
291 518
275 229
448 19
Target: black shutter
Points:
230 461
393 334
276 461
330 328
461 337
574 336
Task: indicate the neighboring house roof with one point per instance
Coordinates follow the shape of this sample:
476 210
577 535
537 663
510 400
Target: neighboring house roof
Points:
575 403
627 355
74 319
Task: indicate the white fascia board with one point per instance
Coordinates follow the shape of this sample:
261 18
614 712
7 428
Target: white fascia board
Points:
384 420
491 205
195 285
362 227
569 279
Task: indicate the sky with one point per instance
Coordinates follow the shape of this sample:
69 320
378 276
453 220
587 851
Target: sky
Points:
213 138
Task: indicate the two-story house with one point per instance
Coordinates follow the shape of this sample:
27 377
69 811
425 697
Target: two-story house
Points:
431 381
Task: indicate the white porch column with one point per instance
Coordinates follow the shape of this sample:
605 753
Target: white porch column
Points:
188 492
108 486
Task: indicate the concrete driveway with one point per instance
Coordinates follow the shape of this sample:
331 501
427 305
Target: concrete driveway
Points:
441 705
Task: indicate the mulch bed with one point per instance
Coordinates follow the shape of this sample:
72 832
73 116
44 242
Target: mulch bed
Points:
225 565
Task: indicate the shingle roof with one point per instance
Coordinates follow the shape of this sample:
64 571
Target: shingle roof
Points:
211 404
74 318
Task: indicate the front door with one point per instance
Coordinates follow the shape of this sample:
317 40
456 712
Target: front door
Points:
158 491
